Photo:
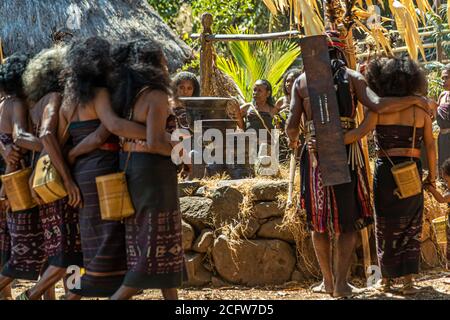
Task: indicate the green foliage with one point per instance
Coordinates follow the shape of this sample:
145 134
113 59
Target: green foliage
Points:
168 10
434 70
251 61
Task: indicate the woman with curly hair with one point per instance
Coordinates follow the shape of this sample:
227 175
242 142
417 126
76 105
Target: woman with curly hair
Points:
23 242
59 219
95 153
399 136
153 233
288 82
259 113
185 84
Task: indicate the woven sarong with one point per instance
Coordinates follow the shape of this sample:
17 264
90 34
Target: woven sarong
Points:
153 233
102 242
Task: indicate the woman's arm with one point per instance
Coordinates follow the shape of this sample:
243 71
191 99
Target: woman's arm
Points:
113 123
21 137
10 153
52 147
369 123
430 146
438 196
158 141
378 104
92 142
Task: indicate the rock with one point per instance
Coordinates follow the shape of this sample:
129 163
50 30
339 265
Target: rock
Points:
269 190
265 210
248 230
225 206
427 230
233 183
188 235
272 230
297 276
188 188
255 262
197 212
217 282
197 274
430 254
204 241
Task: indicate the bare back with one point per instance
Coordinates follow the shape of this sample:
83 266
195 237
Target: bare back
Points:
404 118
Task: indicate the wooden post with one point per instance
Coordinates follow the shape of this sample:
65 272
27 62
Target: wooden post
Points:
439 51
1 52
206 56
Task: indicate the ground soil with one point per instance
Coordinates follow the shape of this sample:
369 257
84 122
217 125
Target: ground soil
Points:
431 283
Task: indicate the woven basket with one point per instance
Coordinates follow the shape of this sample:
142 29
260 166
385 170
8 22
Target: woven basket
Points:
115 202
406 176
440 229
17 189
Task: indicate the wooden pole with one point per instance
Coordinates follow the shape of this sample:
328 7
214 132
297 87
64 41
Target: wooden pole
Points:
248 37
206 55
439 51
1 52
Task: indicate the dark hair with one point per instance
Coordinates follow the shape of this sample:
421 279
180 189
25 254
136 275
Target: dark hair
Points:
139 64
266 83
187 76
11 73
43 72
87 67
446 167
395 77
295 72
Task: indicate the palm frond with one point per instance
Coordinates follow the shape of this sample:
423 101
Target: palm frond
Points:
258 60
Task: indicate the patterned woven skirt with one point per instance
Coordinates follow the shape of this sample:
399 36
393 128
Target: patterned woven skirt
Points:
448 240
337 209
398 223
61 234
153 233
27 255
5 240
102 242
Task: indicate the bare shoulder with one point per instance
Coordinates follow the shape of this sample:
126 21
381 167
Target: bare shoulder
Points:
301 86
156 96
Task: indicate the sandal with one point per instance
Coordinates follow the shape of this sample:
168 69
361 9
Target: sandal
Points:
320 289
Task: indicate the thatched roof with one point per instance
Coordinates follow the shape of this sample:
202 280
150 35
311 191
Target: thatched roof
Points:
31 25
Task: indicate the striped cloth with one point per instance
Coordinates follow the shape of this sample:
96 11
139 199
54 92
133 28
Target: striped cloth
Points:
102 242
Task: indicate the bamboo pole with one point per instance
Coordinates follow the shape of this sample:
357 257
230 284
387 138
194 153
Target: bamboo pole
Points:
247 37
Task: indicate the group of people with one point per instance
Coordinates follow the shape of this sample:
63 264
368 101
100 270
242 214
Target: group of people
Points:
393 91
94 108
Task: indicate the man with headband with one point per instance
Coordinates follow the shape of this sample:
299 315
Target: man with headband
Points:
338 212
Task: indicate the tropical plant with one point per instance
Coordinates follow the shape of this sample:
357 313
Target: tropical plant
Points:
406 13
251 61
434 70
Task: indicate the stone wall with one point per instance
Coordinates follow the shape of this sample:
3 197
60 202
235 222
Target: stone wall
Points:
232 233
